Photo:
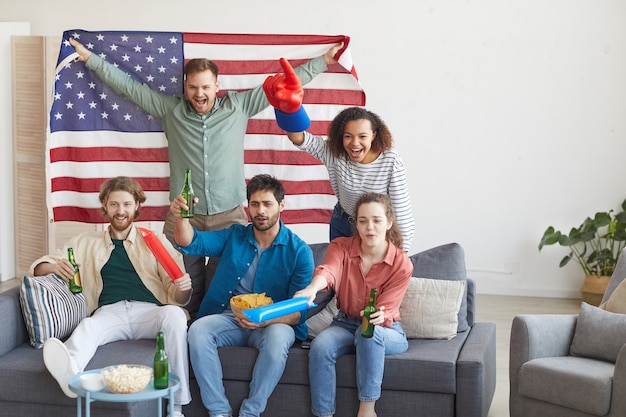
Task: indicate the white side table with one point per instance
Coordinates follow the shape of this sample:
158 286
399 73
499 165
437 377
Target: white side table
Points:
148 393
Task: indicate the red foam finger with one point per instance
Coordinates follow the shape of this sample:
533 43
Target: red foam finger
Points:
162 255
291 78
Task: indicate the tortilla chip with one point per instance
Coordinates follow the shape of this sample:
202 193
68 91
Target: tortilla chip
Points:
246 301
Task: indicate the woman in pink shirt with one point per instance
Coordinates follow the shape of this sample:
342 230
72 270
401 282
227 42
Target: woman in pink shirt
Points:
352 266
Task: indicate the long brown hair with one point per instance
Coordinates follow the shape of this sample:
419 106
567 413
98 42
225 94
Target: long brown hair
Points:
393 234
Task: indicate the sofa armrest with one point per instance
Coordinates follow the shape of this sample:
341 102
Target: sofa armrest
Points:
618 399
12 327
476 372
540 336
537 336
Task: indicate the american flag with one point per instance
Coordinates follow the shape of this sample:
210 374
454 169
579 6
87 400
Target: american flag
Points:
95 134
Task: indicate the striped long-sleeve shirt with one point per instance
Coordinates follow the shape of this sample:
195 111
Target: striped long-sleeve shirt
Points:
385 175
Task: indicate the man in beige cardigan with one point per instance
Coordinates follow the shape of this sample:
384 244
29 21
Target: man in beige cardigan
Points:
129 295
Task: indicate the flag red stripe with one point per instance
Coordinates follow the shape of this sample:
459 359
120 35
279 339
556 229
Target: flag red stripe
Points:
269 127
335 97
261 39
106 153
263 156
269 66
251 156
92 185
306 216
323 96
307 187
85 215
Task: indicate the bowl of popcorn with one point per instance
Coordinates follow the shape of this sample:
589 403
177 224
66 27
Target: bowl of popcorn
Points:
127 379
242 302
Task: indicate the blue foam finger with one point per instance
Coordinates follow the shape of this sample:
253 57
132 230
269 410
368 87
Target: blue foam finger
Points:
293 122
279 309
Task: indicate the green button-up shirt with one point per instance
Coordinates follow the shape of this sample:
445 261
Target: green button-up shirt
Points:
210 144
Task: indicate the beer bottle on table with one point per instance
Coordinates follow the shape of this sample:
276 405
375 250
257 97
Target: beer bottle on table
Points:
188 195
161 365
75 284
367 328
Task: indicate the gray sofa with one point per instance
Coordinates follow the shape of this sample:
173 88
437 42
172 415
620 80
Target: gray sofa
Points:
434 378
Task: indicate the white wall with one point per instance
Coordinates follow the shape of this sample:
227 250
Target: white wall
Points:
7 252
510 116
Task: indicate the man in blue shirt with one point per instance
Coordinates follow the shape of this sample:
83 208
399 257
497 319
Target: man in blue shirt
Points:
264 256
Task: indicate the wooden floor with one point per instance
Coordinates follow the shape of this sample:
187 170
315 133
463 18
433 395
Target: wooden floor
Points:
500 310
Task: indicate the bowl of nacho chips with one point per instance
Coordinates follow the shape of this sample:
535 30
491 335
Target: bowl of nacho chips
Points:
242 302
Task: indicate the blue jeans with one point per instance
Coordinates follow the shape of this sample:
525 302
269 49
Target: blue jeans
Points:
211 332
341 338
339 225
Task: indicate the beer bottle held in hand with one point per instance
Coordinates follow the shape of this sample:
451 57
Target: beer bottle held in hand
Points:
161 365
188 195
75 284
367 328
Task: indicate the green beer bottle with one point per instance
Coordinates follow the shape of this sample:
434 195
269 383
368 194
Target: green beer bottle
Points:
75 283
188 195
367 328
161 365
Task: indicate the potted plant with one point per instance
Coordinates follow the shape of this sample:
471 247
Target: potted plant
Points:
596 246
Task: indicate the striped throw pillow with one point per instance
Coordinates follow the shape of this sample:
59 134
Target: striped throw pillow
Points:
49 308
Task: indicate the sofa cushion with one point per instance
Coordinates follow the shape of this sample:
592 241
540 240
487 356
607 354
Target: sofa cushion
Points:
49 308
25 368
577 383
430 308
427 366
599 334
444 262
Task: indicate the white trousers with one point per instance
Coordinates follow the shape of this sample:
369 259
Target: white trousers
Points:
132 320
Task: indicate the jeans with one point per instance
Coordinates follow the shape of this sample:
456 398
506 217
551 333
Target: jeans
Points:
208 333
339 225
344 337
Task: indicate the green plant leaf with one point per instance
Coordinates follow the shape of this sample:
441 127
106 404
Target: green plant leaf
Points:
602 219
550 237
566 260
595 245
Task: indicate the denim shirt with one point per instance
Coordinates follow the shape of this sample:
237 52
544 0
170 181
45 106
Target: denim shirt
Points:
284 268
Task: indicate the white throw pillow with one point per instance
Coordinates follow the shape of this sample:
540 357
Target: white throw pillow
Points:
430 308
49 308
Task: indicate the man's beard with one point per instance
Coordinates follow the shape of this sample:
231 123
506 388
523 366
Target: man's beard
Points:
271 221
120 227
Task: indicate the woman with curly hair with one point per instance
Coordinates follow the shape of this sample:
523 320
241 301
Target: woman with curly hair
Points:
359 156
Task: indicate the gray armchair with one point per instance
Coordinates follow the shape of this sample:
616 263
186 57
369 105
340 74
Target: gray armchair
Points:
547 380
